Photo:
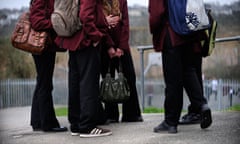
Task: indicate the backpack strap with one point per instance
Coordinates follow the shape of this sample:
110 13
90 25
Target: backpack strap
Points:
31 2
78 7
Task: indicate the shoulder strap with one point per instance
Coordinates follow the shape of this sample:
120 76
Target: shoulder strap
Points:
31 2
78 7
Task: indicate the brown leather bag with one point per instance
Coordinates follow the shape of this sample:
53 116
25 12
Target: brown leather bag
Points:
26 38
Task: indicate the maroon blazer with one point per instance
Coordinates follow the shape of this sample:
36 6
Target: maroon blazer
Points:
40 14
93 30
40 18
159 26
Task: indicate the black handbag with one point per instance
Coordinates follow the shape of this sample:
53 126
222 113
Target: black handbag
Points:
114 90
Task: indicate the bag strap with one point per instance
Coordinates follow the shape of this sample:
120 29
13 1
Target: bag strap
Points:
109 66
31 2
119 65
78 7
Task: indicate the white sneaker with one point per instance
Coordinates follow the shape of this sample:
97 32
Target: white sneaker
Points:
96 132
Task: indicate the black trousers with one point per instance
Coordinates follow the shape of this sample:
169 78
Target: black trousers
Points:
179 69
130 109
42 111
84 106
192 108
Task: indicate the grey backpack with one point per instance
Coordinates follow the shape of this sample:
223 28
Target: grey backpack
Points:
65 17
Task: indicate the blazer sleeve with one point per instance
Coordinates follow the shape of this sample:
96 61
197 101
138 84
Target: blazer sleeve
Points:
38 15
156 10
124 34
88 18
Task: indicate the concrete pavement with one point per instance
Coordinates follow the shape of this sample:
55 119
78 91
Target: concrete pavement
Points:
15 129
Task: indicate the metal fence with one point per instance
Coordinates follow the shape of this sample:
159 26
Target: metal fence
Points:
227 94
19 92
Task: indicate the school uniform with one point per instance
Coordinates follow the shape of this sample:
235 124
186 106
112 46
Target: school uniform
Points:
42 112
85 110
120 35
179 55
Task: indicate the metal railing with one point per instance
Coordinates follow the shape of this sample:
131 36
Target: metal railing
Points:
19 92
142 49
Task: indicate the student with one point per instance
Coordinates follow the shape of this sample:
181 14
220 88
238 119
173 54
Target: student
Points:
116 13
178 56
84 108
42 113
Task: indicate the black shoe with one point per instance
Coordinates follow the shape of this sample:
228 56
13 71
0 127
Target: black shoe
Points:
164 127
56 129
111 121
36 129
206 117
137 119
190 118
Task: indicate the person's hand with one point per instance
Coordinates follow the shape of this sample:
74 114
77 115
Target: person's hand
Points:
95 44
112 20
119 52
111 52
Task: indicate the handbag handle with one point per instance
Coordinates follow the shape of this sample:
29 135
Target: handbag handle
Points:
119 65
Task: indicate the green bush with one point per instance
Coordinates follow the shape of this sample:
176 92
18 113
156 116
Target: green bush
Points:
14 63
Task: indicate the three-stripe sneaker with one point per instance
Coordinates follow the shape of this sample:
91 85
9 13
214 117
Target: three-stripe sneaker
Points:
96 132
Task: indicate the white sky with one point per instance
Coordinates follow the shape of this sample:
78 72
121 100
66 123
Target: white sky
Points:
25 3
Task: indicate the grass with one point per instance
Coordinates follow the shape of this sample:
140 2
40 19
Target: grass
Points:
153 110
63 111
234 108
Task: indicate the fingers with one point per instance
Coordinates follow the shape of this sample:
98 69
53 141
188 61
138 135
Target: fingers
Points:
115 53
112 20
119 52
111 52
116 19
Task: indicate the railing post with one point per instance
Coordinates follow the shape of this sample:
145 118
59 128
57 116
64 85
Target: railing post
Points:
142 77
220 93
